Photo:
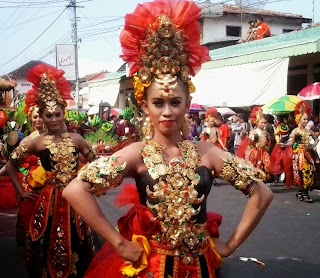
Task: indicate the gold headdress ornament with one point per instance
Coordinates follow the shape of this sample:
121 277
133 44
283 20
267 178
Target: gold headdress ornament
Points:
301 108
160 41
49 88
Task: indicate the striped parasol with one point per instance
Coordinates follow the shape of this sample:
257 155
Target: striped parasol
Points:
281 105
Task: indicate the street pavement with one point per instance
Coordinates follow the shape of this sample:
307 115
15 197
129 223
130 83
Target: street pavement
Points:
287 239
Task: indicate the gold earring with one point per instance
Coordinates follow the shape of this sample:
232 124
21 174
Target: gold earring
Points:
185 128
45 130
147 129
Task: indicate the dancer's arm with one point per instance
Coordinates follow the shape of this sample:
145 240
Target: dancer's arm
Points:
84 203
258 194
16 158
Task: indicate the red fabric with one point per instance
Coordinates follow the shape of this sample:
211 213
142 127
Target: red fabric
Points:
128 195
8 199
241 152
281 160
212 112
224 134
34 76
138 221
8 196
213 222
262 30
183 14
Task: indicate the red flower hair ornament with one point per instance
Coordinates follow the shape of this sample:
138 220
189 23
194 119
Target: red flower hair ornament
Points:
49 88
161 41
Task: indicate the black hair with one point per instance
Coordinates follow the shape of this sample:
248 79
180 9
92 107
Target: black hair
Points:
260 18
219 117
242 116
270 119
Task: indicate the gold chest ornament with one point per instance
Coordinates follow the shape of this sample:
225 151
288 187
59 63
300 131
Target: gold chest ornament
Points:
175 196
63 159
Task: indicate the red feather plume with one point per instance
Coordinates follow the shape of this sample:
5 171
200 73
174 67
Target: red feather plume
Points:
256 114
212 112
183 14
302 107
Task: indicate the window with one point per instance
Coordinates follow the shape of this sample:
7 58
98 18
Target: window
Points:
287 30
233 31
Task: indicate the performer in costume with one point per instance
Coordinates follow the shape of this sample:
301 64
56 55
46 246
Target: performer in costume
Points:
8 193
303 164
58 243
211 133
259 141
168 234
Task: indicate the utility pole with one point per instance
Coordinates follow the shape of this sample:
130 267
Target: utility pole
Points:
73 4
312 11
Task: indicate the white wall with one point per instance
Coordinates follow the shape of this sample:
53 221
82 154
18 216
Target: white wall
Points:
214 29
23 86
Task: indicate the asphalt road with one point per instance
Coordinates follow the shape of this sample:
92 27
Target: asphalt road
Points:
287 239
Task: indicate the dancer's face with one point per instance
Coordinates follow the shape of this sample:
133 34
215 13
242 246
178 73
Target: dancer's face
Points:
304 120
211 122
262 123
54 121
36 121
167 113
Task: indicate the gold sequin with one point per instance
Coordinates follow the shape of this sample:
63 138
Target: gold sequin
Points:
176 195
103 174
240 173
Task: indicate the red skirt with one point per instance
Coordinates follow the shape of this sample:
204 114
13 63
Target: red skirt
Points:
107 263
8 197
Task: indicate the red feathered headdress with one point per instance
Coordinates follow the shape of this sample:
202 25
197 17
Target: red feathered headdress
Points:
212 113
256 115
161 39
301 108
49 88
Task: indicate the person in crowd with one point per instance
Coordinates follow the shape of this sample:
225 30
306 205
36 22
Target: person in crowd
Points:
198 127
211 133
125 130
282 130
239 128
58 243
270 130
168 232
224 131
303 164
262 29
310 123
251 33
259 141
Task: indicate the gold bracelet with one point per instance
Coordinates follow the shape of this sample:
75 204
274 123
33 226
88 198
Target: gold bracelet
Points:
251 191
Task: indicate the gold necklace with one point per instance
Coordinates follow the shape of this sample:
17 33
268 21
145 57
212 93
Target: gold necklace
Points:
64 161
175 194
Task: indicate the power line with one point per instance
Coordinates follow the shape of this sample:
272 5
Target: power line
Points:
29 20
34 40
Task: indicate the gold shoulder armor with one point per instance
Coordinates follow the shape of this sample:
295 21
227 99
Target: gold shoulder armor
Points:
239 172
103 174
19 155
88 153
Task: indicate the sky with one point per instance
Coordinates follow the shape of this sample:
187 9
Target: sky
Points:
30 29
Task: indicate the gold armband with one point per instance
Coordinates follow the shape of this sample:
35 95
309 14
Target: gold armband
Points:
19 155
88 153
240 173
103 174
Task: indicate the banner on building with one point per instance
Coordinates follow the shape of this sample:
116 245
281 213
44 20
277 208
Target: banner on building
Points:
65 60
